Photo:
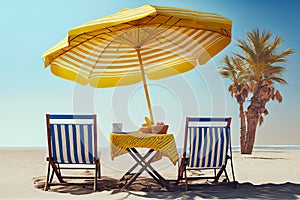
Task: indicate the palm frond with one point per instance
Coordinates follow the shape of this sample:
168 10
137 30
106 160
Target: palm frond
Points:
281 58
278 80
276 43
269 70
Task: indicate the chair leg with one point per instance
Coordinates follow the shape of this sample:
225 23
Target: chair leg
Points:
226 175
186 179
216 180
181 168
57 171
99 170
95 179
47 178
221 170
232 171
58 167
52 175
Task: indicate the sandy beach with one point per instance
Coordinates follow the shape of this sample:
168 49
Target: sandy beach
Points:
266 174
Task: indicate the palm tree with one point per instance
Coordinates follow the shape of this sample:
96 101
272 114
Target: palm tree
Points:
236 71
263 64
262 57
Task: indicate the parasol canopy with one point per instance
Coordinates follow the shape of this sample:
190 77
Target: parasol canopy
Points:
133 45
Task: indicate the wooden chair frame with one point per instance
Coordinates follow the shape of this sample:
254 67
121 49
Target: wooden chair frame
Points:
183 164
56 166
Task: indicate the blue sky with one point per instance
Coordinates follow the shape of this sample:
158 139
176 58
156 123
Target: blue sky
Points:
28 91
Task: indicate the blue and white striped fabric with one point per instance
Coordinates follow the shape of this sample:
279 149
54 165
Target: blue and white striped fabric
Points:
208 146
72 140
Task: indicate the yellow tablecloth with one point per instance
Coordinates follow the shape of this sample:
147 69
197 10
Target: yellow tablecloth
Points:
163 143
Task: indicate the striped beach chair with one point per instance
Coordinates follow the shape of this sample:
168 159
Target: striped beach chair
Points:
72 145
207 146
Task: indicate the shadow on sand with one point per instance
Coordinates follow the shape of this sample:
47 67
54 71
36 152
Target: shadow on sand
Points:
148 188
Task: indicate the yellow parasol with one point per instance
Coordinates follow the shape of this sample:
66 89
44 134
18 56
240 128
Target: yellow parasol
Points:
149 41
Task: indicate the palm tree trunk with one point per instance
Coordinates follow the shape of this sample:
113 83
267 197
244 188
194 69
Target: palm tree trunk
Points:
242 129
252 121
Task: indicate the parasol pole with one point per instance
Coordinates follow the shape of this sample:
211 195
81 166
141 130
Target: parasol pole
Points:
145 83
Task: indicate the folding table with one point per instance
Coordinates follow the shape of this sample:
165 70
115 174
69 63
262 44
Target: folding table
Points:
158 144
